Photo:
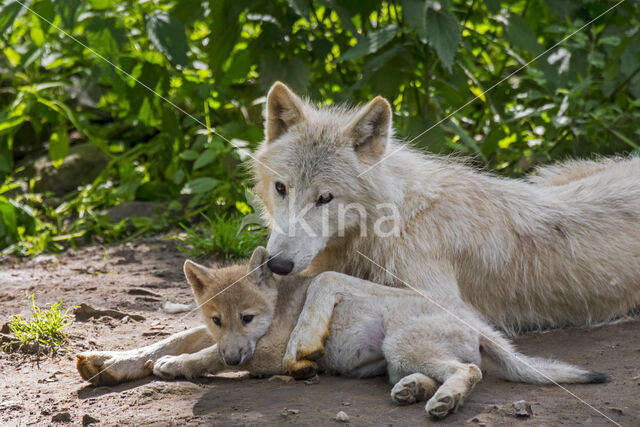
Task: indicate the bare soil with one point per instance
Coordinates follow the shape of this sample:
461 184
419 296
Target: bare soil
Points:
138 278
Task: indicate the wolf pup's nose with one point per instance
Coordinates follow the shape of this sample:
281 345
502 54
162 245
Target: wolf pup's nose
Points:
280 266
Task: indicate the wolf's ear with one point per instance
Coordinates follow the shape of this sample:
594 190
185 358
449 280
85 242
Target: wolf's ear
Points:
258 268
371 129
198 276
284 109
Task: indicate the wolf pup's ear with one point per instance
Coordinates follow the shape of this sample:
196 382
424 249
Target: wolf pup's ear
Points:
198 276
284 109
258 266
371 129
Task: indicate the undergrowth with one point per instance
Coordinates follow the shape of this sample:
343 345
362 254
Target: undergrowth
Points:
225 237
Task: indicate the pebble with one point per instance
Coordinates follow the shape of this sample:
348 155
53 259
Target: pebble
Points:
175 307
61 417
342 417
88 419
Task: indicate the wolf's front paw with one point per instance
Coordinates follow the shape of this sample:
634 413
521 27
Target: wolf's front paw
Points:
442 404
169 367
301 369
111 367
413 388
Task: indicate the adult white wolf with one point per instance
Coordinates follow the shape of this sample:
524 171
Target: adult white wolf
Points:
561 248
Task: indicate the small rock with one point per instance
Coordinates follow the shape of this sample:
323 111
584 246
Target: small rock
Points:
616 410
341 417
88 419
313 380
61 417
85 312
126 319
283 378
142 292
346 403
287 412
175 307
522 408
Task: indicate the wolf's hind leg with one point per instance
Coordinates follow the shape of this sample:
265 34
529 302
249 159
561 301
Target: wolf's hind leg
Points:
413 388
306 342
458 379
113 367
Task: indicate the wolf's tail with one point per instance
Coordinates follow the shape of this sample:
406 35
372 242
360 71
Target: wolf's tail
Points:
515 366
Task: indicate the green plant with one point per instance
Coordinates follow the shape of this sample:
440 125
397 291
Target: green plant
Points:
43 328
181 112
225 237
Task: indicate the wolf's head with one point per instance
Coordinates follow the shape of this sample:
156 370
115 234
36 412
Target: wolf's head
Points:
308 173
237 302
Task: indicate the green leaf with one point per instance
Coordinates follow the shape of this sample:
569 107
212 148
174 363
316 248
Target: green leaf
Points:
58 146
168 36
67 9
415 13
6 157
106 36
102 4
225 31
8 14
206 157
521 36
370 43
302 7
444 34
493 5
199 185
189 155
8 217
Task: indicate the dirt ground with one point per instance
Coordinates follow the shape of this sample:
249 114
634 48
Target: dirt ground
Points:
138 278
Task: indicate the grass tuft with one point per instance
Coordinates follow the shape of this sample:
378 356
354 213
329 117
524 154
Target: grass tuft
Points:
225 237
42 331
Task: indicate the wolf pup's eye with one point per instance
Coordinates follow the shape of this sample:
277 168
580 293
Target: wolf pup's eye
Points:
281 189
247 318
324 198
216 320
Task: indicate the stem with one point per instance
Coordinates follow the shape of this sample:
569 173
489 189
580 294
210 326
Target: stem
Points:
624 82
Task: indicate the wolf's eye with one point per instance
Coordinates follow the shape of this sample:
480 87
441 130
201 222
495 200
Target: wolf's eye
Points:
216 320
281 189
324 198
247 318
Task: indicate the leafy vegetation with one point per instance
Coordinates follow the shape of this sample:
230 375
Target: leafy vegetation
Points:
170 93
221 236
43 330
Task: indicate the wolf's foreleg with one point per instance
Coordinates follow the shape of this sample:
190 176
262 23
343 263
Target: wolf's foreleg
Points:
189 365
306 342
113 367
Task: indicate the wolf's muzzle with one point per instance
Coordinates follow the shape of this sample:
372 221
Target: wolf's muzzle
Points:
280 266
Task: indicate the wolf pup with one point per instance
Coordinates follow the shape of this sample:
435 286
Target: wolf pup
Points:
560 248
370 330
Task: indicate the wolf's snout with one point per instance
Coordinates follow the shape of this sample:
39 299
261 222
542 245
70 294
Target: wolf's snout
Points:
233 360
280 265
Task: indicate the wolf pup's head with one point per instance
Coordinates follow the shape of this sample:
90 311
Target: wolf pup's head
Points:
237 303
308 174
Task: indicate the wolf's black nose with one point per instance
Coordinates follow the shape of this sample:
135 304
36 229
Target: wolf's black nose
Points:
280 265
232 360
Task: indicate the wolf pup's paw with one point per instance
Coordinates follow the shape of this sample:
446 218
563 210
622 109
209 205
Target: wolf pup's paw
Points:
442 404
413 388
111 367
169 367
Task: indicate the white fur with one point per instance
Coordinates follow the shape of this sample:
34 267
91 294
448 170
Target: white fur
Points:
561 248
